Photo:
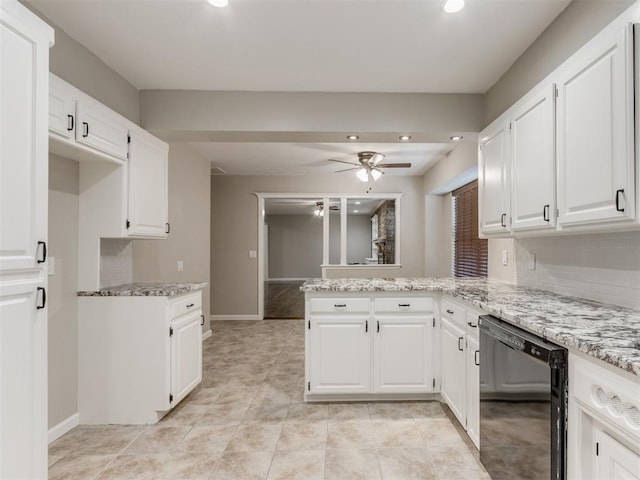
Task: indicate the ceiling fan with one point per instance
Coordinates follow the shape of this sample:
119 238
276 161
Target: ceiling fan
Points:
369 166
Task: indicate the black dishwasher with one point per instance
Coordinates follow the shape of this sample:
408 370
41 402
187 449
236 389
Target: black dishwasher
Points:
523 403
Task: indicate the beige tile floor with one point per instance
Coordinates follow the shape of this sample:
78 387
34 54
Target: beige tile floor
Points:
248 421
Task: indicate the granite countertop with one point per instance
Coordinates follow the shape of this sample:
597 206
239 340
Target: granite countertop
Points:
607 332
142 289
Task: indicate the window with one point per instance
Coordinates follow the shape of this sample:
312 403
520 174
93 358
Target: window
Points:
469 253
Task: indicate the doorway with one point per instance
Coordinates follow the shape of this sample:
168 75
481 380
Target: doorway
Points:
292 254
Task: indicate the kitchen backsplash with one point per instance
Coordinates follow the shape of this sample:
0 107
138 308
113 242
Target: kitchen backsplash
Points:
116 262
602 267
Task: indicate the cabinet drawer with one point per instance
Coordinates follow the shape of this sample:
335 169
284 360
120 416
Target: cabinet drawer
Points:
185 304
342 305
453 311
398 305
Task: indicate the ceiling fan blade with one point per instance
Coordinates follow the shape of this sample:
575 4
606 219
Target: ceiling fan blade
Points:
376 158
394 165
348 169
376 168
342 161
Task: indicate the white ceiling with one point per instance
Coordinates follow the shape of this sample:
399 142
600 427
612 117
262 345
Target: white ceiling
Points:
312 158
306 45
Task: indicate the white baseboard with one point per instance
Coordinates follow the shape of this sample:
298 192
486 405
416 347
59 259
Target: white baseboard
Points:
63 427
215 318
206 335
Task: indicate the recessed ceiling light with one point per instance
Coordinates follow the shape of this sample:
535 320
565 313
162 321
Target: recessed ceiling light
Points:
453 6
219 3
356 211
456 138
357 203
405 138
352 137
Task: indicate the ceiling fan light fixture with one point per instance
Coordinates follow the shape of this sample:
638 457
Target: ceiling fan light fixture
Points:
219 3
363 175
452 6
375 173
376 158
352 137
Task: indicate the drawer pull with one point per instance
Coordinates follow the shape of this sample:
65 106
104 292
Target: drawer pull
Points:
460 339
404 305
450 312
190 305
472 325
340 305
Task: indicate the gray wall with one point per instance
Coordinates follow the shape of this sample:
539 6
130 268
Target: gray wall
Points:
62 299
578 23
234 231
295 246
189 215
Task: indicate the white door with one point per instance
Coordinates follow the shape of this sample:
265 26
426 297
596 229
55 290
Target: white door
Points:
24 70
186 355
102 129
533 188
62 108
493 179
148 184
453 365
402 353
595 133
340 355
473 390
614 461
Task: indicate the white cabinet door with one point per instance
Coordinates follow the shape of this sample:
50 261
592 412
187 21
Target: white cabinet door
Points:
473 390
533 189
186 355
148 185
453 362
102 129
340 356
614 461
24 66
402 354
493 179
23 147
62 108
23 414
595 133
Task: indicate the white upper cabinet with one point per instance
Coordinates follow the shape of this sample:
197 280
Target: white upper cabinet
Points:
493 179
101 128
83 129
595 108
147 186
62 108
533 187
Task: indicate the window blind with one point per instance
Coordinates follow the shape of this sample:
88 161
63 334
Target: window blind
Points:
469 252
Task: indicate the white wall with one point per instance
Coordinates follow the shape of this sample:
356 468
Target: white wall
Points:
603 267
62 300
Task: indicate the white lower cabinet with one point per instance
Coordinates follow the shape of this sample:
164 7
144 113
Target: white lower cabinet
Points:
461 365
454 382
339 355
604 422
369 346
473 390
138 356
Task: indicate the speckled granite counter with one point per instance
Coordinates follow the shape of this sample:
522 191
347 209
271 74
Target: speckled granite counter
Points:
607 332
145 290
